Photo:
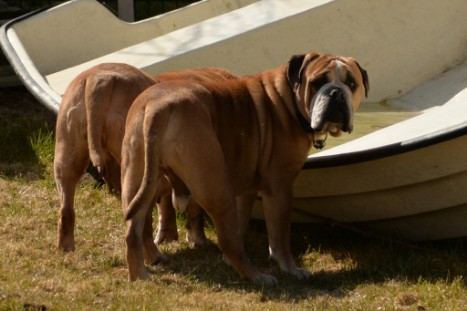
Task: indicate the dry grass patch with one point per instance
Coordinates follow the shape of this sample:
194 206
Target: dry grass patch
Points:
350 271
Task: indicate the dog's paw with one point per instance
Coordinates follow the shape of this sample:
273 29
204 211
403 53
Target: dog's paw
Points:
156 258
198 240
226 260
66 245
265 279
140 275
166 235
301 273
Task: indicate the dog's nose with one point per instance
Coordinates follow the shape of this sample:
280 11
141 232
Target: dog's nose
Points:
337 94
348 127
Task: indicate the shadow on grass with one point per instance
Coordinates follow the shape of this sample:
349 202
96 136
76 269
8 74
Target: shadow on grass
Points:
354 260
23 120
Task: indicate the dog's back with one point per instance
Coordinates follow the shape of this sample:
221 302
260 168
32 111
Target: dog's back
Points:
91 123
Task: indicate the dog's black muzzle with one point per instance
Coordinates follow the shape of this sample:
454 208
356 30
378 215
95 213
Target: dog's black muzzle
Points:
336 109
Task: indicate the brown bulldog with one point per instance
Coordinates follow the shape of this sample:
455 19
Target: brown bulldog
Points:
90 125
230 140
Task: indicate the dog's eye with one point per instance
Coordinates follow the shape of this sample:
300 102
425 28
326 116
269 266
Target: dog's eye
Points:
352 85
318 82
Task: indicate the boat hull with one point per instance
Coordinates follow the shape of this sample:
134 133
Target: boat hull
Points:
408 179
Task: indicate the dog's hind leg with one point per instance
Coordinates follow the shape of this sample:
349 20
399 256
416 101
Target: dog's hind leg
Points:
152 255
215 195
71 160
140 182
136 224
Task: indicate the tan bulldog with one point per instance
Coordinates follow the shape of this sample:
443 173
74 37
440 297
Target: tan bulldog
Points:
230 140
90 125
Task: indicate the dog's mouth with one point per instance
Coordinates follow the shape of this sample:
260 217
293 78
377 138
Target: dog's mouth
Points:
334 127
331 114
331 128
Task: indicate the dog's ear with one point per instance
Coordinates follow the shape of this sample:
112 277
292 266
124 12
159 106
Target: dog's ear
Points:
293 71
296 65
366 82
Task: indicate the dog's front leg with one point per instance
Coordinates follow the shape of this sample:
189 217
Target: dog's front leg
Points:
167 223
277 211
225 221
195 225
244 208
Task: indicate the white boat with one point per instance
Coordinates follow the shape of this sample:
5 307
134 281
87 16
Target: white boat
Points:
404 170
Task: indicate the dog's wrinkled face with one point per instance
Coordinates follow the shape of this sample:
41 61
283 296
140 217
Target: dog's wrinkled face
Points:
328 90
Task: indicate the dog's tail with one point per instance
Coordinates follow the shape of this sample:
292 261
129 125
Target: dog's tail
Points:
98 97
152 132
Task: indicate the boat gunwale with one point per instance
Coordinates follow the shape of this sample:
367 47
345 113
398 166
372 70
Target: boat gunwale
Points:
335 160
20 68
371 154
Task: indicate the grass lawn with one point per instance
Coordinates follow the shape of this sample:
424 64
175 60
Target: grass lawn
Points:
351 271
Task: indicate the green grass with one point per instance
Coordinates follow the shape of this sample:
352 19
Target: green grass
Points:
350 271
